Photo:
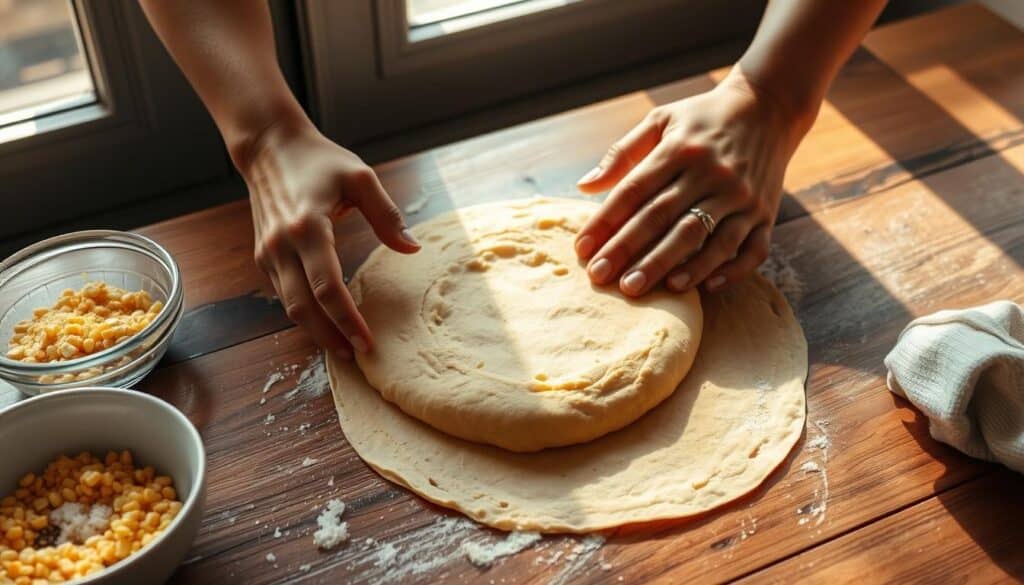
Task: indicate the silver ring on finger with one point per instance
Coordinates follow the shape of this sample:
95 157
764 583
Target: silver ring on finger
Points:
705 219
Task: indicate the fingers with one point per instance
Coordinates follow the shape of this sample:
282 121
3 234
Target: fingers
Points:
622 156
363 189
647 225
688 240
325 280
302 308
753 252
721 247
645 180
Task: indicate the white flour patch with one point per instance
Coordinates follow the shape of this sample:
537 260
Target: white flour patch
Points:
780 272
386 555
577 558
309 461
313 381
484 554
810 467
271 557
423 550
820 443
332 531
274 378
270 418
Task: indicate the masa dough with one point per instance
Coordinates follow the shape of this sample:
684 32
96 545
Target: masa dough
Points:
494 333
730 423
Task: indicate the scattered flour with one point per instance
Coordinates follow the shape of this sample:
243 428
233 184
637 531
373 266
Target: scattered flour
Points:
78 522
818 508
330 482
277 533
418 551
778 270
810 467
305 567
312 381
274 378
309 461
820 442
271 557
386 555
304 427
270 418
332 531
577 558
484 554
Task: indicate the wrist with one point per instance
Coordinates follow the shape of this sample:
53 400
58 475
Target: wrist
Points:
796 108
246 141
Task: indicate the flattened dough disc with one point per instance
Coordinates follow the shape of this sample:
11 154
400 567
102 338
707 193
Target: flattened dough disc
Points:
730 423
494 333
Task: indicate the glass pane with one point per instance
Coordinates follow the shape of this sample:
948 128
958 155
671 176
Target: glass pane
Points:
421 12
42 65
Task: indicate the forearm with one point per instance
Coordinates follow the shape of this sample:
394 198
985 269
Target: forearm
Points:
800 46
226 50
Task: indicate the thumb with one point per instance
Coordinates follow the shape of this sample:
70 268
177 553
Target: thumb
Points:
382 214
621 157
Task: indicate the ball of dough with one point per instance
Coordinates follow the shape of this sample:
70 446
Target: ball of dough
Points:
494 333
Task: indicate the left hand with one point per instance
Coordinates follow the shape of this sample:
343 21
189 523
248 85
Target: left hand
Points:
724 152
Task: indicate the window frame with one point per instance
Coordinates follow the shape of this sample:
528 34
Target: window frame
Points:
362 68
146 133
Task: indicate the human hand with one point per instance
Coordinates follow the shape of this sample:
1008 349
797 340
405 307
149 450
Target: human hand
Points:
724 152
299 184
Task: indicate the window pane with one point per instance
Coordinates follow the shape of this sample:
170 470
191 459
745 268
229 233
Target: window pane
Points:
421 12
42 65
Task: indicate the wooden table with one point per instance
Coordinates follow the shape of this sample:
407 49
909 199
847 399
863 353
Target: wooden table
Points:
907 197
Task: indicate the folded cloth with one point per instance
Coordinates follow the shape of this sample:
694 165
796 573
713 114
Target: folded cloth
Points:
964 370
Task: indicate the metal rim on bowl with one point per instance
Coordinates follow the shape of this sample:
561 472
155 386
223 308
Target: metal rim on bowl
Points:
199 482
15 264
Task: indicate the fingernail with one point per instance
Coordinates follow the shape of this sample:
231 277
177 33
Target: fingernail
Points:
679 281
601 269
359 343
585 246
408 237
634 283
716 282
590 176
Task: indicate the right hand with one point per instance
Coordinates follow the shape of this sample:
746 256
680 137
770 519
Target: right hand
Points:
299 184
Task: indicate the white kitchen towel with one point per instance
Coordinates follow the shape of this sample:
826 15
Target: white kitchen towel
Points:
964 370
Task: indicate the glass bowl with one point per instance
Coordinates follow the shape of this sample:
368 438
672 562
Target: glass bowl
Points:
36 276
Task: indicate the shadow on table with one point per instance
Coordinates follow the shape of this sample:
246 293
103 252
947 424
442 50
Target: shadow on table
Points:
980 496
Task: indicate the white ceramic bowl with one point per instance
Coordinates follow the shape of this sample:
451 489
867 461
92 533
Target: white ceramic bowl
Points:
35 276
37 430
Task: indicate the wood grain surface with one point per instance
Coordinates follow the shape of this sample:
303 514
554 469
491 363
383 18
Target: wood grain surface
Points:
905 198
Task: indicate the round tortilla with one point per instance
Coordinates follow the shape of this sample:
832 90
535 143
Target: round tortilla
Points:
494 333
730 423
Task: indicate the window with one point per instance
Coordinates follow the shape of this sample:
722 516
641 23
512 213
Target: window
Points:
42 62
93 113
378 68
427 19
